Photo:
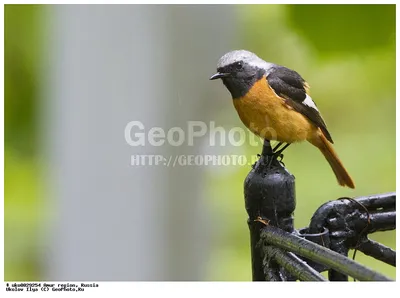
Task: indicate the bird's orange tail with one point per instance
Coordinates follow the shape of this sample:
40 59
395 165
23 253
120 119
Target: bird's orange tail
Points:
328 151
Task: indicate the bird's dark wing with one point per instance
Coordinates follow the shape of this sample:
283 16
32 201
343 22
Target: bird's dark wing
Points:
289 85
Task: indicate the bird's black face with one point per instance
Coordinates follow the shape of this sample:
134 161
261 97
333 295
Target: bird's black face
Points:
238 77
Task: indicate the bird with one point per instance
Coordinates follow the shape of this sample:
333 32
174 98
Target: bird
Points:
274 103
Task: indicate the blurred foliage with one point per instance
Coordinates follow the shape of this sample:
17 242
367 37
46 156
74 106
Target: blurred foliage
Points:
22 218
344 29
347 54
21 82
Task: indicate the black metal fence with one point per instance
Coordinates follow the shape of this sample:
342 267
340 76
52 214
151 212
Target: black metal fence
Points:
281 253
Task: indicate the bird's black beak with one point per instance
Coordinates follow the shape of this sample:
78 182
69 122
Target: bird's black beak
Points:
219 75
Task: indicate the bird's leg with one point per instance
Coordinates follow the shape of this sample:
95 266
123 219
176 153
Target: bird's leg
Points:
276 152
279 153
277 146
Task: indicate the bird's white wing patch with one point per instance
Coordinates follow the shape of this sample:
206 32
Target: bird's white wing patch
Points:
309 102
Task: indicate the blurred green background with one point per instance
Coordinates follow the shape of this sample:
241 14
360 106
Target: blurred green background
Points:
345 52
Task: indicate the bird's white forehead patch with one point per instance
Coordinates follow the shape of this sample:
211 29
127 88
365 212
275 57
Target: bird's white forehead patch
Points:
245 56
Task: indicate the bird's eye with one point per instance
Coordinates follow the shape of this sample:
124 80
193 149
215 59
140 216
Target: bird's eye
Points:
239 66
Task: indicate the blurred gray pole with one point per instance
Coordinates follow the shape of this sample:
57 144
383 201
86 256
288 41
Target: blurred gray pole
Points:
109 65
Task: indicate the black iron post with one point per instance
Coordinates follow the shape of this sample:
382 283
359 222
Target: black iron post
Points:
269 191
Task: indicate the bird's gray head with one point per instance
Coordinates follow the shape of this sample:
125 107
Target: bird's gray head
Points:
239 70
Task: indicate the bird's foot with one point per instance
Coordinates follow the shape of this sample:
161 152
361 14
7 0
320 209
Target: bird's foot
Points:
277 153
275 156
280 158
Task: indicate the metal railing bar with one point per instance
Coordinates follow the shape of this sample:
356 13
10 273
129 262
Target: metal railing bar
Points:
294 265
378 251
378 204
319 254
367 223
386 200
271 275
382 221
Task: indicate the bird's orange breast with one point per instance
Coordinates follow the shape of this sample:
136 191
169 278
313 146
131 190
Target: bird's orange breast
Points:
269 117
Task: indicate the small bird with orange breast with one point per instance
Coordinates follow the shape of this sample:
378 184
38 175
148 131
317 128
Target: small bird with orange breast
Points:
273 102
